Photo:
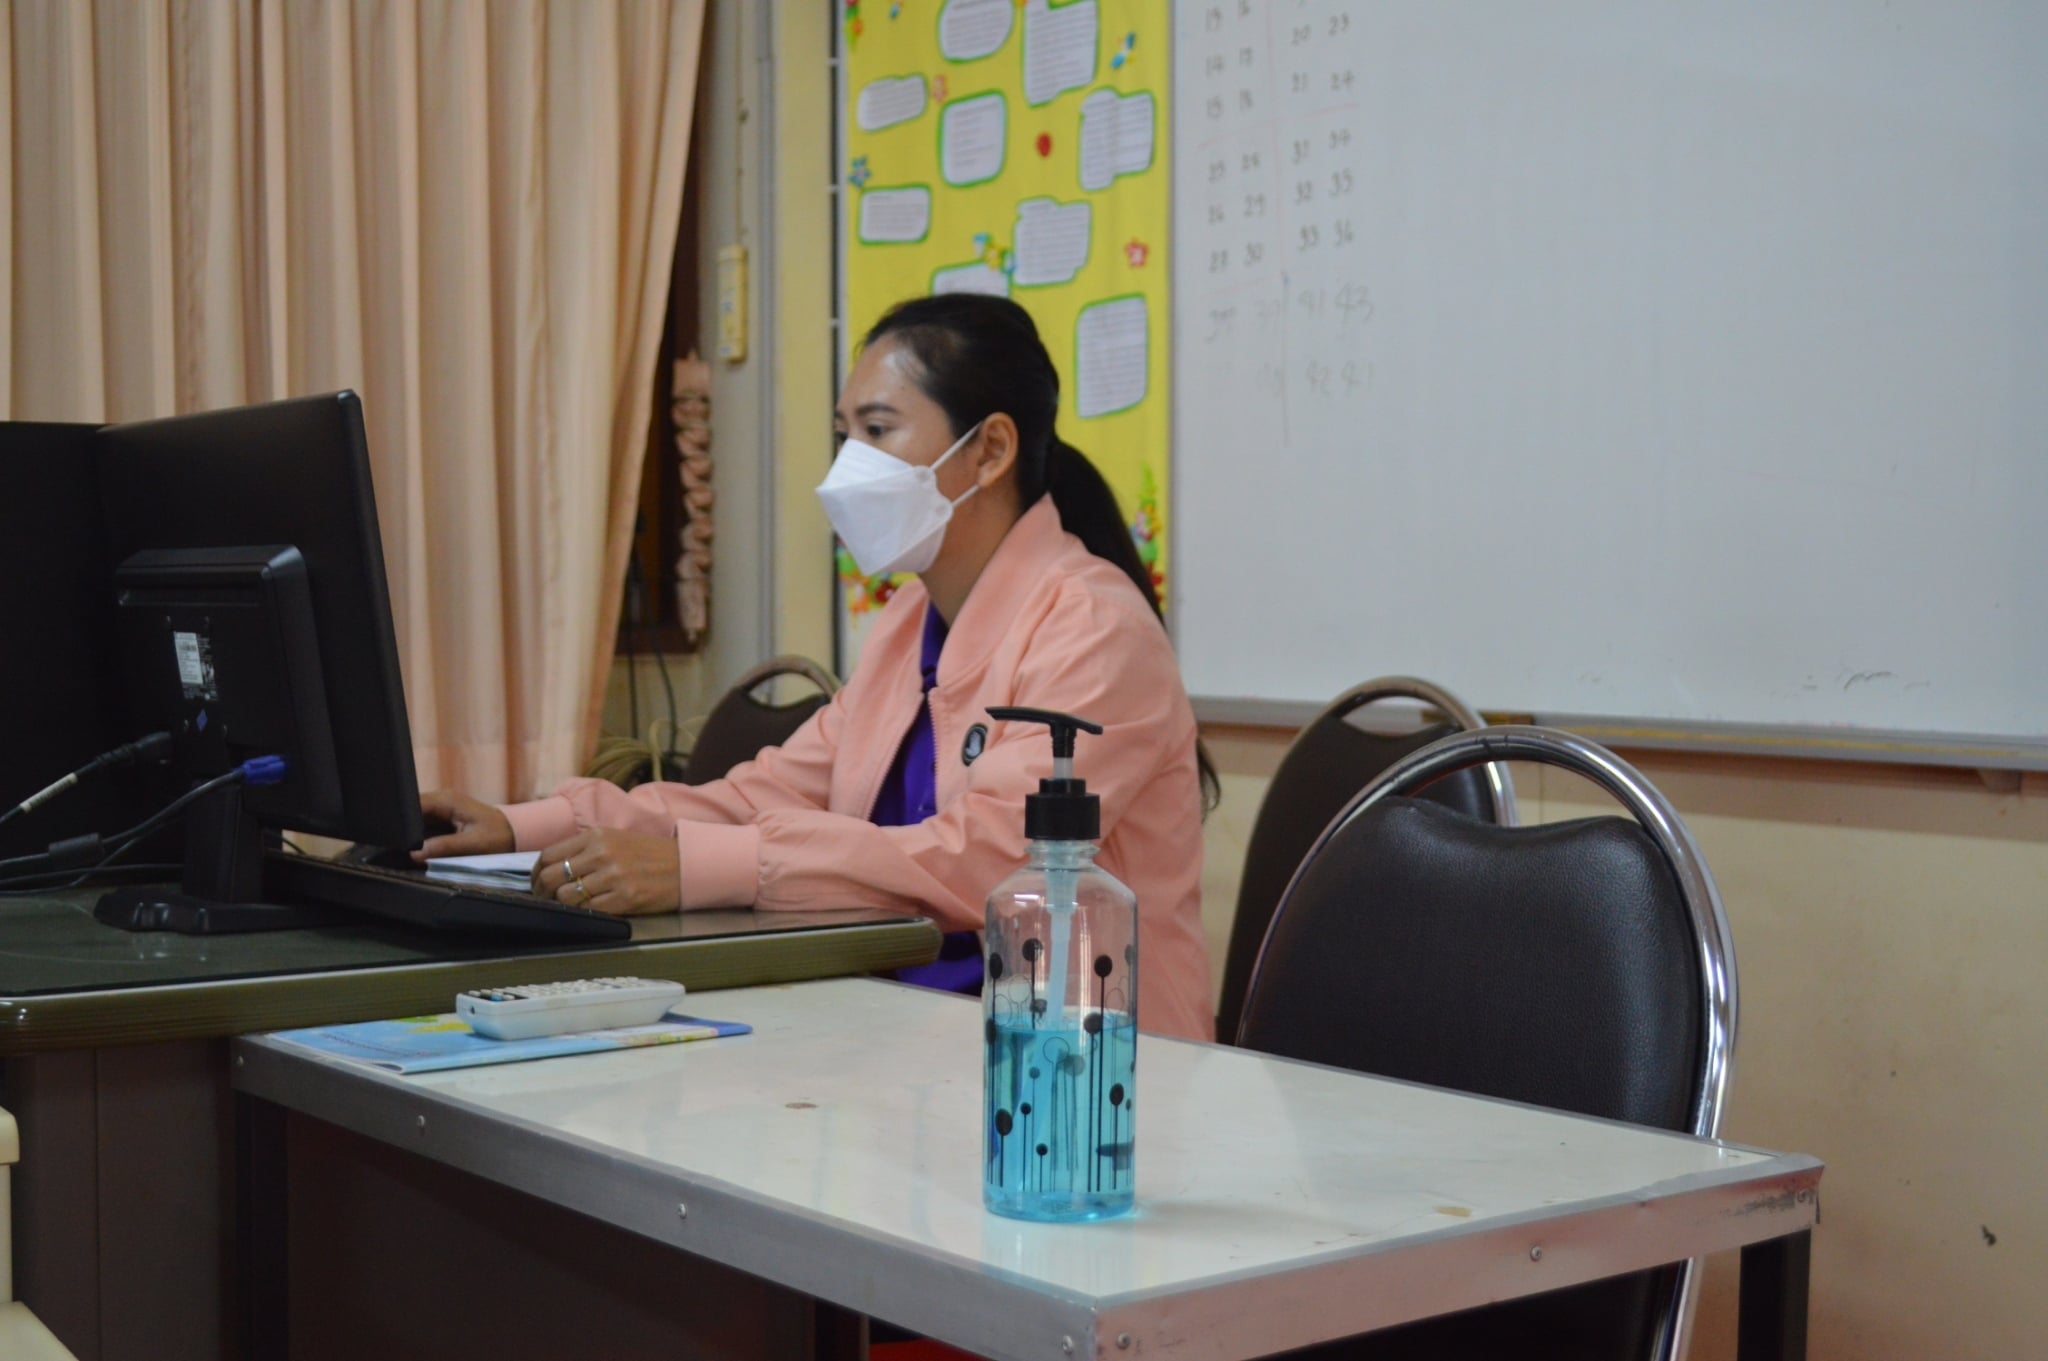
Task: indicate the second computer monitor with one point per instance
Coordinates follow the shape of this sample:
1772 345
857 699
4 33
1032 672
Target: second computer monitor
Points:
248 539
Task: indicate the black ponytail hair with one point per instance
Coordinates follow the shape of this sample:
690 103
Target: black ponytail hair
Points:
977 354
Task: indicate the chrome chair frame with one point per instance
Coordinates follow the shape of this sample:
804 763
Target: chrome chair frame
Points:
1714 942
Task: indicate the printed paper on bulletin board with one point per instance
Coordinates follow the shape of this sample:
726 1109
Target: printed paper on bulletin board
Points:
1019 147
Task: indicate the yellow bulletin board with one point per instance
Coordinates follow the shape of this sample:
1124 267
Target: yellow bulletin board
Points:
1020 147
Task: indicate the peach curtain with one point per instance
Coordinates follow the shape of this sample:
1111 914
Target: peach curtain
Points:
464 210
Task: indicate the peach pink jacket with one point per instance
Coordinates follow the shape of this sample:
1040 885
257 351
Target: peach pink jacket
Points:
1049 625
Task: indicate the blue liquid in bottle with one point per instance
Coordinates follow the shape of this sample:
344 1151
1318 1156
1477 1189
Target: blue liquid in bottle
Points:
1059 1011
1061 1115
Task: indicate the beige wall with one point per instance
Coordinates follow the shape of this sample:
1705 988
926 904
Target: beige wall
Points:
1891 933
803 304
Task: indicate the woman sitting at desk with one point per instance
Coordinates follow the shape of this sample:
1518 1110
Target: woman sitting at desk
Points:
902 792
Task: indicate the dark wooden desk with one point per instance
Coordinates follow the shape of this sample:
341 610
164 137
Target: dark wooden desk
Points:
114 1060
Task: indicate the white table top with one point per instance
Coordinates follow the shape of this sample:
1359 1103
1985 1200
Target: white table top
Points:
836 1149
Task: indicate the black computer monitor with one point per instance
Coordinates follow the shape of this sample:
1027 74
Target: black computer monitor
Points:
253 620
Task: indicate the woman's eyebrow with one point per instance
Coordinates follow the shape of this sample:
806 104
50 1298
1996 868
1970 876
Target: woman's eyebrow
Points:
872 408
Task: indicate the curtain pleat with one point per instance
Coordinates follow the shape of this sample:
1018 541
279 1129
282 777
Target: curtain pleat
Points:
464 210
59 360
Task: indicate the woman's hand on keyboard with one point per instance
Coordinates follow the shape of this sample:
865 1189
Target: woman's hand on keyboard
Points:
479 828
627 874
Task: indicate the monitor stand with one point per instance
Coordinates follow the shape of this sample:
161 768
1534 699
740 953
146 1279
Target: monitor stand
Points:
222 889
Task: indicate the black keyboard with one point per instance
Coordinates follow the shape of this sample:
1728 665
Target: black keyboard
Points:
409 896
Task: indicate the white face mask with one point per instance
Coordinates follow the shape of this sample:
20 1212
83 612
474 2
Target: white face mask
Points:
889 513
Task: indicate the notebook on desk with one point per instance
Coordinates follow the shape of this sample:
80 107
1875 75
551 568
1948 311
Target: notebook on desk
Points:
430 1044
509 870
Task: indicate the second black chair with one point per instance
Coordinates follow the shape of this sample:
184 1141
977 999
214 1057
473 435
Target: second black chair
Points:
742 723
1325 767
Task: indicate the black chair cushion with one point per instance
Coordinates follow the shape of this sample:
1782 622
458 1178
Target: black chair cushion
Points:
1322 772
1551 965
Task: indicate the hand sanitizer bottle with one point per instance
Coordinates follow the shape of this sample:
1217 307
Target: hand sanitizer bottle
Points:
1060 1010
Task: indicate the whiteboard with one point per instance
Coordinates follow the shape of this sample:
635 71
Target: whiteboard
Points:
1686 361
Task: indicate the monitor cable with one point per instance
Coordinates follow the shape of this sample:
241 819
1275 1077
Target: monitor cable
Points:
95 853
155 747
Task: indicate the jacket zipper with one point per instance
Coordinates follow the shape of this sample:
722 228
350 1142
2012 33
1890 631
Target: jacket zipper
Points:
932 710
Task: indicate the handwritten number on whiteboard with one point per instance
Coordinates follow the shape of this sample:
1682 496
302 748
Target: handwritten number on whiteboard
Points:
1354 300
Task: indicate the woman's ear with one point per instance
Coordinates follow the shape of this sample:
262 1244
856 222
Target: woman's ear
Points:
998 452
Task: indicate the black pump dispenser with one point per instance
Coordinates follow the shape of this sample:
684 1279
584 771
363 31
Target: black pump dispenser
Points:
1062 809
